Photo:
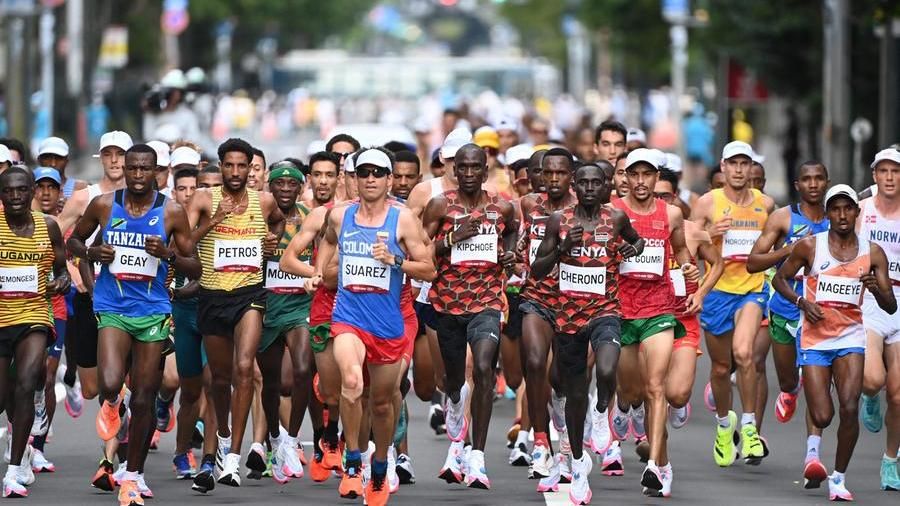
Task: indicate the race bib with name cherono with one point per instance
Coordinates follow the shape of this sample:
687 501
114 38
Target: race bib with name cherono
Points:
584 282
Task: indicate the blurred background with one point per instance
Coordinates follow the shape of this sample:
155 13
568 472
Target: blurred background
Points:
797 79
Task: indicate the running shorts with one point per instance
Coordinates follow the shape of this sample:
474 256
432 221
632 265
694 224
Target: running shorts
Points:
283 314
269 339
637 330
455 332
825 358
219 312
572 348
513 327
691 339
410 333
782 330
83 327
539 310
319 335
190 354
427 316
719 309
878 321
12 335
55 350
146 329
378 351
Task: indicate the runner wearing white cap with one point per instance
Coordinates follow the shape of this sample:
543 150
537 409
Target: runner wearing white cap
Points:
54 152
163 161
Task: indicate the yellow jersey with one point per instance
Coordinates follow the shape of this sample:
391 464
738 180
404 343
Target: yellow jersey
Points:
747 223
231 252
25 267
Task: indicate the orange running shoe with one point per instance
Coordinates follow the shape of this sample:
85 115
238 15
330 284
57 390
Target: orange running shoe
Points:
108 421
377 492
129 495
103 477
351 485
317 471
331 455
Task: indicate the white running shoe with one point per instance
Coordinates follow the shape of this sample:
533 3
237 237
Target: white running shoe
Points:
541 462
452 472
667 477
612 461
26 474
620 423
40 464
652 480
41 420
678 417
456 422
580 493
837 489
601 437
119 473
565 467
231 471
223 448
145 491
392 478
291 463
12 488
551 482
405 470
476 475
519 456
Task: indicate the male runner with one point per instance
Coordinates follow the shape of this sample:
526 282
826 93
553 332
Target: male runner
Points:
235 229
31 251
879 222
406 174
54 152
131 300
734 216
538 298
256 178
648 313
582 242
475 234
372 238
783 229
609 141
209 177
342 145
839 265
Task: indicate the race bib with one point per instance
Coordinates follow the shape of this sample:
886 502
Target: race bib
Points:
365 275
737 243
243 255
18 282
476 251
423 293
515 280
97 268
585 282
677 276
838 291
533 246
278 281
647 265
133 264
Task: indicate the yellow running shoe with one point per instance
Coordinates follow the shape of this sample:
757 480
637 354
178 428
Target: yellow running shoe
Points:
752 447
724 451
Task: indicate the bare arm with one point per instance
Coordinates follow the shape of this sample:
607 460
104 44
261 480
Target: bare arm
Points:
763 256
186 261
275 220
198 213
510 236
798 259
328 245
73 210
290 259
85 226
61 281
419 264
634 243
432 218
548 252
878 281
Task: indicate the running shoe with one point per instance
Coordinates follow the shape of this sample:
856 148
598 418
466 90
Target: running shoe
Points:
580 492
165 414
519 456
652 480
74 403
619 423
103 477
145 491
223 447
512 433
40 464
642 449
667 478
785 406
814 473
551 482
26 474
724 451
451 472
183 468
256 461
197 436
436 419
564 461
678 417
12 488
405 470
41 420
709 400
871 413
317 470
541 462
129 495
837 489
108 421
279 473
393 479
204 481
476 473
300 453
601 435
291 464
331 455
231 471
376 492
351 485
457 425
752 448
889 478
119 475
638 419
612 461
270 459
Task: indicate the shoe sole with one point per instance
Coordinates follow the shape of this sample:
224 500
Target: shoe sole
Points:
202 487
450 477
256 463
520 462
104 482
615 471
225 480
479 485
351 495
652 483
405 477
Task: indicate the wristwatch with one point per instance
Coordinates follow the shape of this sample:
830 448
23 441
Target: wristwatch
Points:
171 258
398 262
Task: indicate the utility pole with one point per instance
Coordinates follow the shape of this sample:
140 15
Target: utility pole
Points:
836 103
47 24
18 97
889 80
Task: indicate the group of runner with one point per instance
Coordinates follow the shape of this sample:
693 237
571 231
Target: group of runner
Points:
337 286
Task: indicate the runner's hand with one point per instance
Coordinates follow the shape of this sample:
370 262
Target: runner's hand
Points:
627 250
269 244
226 207
508 260
691 272
694 304
720 227
870 282
105 254
380 252
312 283
575 237
155 246
812 311
468 228
59 284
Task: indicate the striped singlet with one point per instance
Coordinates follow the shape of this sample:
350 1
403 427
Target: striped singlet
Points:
25 267
231 253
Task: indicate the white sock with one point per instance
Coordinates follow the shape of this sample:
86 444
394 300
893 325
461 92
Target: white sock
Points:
722 421
130 476
836 476
651 463
889 459
522 438
748 419
812 446
12 471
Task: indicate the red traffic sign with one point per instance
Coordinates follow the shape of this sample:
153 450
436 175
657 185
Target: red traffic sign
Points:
175 21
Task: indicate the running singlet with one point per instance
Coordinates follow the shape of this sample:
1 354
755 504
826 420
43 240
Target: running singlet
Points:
231 253
323 298
278 281
681 286
836 288
68 188
800 227
470 278
747 223
885 233
25 267
368 292
134 284
644 285
545 291
437 188
587 274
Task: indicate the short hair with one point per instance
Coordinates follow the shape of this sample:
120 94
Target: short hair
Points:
713 172
605 167
186 172
407 156
812 163
560 152
211 169
16 145
670 177
235 144
329 146
258 152
17 169
613 125
141 149
324 156
299 164
396 146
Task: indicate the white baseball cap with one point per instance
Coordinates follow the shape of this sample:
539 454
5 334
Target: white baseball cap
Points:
5 155
375 158
518 153
456 139
637 135
654 157
890 154
507 123
841 190
737 148
184 156
53 146
349 166
116 138
758 158
162 152
673 163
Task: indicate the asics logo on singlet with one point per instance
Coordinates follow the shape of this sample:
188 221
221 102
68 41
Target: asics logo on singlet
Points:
825 265
153 221
351 234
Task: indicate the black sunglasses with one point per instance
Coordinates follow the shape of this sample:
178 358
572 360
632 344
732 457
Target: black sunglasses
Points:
378 172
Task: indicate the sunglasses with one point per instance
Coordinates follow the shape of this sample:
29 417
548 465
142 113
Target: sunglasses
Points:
378 172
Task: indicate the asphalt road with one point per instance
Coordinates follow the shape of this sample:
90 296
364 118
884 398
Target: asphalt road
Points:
75 450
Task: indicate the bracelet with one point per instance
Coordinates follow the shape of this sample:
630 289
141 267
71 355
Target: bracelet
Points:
797 302
450 240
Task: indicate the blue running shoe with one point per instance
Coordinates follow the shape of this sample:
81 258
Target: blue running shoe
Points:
871 413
